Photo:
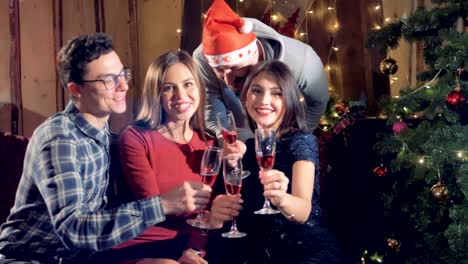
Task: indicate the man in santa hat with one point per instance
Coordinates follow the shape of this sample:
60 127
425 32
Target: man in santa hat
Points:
232 45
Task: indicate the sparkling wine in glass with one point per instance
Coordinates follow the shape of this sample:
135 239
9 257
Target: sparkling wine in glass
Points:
229 131
228 127
232 173
265 147
209 169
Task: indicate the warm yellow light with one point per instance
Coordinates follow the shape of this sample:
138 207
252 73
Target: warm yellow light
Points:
395 78
377 27
460 154
302 34
396 96
387 19
330 88
179 30
421 160
330 8
377 7
415 116
335 48
335 114
204 15
428 87
328 67
310 12
336 25
404 108
274 17
241 1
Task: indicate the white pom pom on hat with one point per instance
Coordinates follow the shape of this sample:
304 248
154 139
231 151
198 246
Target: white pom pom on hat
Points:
247 27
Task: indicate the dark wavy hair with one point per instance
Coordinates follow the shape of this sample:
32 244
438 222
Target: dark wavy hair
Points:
74 56
294 118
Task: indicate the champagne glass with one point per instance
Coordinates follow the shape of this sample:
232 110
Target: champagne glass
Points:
209 169
229 131
265 147
232 173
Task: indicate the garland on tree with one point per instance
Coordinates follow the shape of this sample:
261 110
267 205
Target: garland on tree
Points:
426 188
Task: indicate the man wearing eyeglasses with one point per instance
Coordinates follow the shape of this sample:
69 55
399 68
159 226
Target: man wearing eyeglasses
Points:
60 214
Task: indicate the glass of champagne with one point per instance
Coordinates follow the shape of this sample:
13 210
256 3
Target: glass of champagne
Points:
229 131
209 169
232 173
265 147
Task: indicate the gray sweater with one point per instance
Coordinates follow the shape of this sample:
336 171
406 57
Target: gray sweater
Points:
304 63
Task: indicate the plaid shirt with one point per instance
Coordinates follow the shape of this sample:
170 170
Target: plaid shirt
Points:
60 203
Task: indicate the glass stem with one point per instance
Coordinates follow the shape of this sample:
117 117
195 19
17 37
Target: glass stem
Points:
234 224
266 204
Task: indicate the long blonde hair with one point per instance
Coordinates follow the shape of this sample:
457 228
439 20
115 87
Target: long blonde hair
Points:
151 112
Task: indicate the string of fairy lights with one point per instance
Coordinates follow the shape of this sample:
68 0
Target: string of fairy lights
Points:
333 28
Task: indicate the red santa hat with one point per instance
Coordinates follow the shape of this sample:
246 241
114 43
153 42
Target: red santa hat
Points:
227 38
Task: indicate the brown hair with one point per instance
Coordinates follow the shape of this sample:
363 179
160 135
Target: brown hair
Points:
151 112
294 114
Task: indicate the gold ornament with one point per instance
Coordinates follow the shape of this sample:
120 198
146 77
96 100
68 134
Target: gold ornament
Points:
440 192
324 125
394 244
388 66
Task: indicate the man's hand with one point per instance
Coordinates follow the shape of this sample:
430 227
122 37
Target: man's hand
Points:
237 147
187 197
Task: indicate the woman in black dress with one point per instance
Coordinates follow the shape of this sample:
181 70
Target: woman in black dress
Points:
296 235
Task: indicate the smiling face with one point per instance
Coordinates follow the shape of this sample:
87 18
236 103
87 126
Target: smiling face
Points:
93 99
264 101
180 95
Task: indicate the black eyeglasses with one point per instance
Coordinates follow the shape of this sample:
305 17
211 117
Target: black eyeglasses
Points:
111 81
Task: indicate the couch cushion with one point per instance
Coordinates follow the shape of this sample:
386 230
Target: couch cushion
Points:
12 150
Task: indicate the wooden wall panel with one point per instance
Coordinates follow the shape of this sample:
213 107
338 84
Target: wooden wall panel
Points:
158 22
351 71
37 63
118 23
78 18
4 53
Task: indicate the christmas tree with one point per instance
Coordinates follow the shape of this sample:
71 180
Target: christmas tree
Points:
424 166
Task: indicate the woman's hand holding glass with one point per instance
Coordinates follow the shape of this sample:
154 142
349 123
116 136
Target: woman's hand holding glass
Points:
275 186
265 149
223 208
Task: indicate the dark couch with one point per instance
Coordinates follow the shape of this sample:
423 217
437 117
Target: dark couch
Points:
12 150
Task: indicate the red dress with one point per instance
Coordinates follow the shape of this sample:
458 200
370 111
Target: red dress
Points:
153 165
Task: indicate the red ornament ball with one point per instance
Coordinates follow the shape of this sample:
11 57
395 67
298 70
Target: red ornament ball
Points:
455 100
380 171
341 107
398 127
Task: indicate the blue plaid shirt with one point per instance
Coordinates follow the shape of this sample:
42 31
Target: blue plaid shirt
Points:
60 203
